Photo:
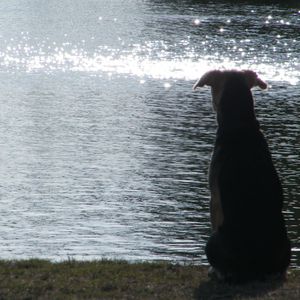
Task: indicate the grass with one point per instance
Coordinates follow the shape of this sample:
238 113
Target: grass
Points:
40 279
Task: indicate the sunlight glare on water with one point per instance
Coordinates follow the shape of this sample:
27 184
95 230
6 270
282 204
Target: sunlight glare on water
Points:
185 58
139 61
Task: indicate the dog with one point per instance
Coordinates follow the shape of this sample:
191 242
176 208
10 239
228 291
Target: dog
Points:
249 239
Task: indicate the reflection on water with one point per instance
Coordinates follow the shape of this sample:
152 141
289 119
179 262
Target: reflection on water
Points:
105 148
169 42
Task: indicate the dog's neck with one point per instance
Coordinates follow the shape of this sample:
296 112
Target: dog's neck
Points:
235 111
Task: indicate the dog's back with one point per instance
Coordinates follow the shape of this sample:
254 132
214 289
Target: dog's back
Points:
247 180
251 237
251 198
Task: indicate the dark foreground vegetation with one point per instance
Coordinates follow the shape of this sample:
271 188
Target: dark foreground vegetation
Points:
39 279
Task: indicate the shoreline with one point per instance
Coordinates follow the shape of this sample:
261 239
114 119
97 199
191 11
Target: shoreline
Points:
107 279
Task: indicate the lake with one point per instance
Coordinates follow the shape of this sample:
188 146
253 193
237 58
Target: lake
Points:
105 148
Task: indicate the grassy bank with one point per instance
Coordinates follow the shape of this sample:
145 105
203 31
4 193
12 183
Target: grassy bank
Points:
38 279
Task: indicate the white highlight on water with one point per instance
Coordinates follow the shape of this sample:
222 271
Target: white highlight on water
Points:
133 63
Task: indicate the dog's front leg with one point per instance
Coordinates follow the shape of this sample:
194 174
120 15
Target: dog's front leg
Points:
216 211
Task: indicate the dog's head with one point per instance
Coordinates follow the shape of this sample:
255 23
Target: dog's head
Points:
217 80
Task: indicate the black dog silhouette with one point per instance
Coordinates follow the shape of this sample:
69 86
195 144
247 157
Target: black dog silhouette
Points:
249 239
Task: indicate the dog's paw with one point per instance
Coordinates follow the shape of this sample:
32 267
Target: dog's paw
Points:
213 273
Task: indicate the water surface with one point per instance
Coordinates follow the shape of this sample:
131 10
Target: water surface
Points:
105 147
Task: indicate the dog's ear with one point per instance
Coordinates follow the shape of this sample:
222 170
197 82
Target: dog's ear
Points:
209 78
253 80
